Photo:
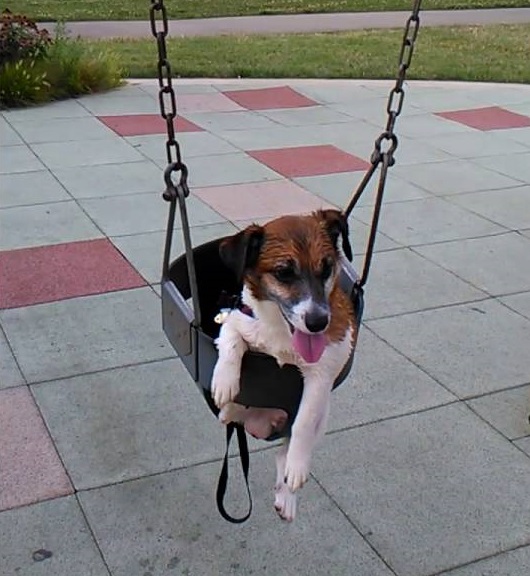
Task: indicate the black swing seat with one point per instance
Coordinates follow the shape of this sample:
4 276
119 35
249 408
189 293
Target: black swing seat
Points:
263 383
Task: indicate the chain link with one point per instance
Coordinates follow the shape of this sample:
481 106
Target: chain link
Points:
397 94
167 99
387 142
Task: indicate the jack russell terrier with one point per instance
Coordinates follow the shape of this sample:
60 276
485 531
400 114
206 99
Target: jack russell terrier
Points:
300 315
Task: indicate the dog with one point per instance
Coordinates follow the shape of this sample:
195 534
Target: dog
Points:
290 270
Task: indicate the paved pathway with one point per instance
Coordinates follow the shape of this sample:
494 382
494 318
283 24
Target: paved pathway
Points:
109 456
298 23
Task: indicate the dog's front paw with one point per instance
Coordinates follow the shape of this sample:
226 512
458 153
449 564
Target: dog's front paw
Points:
225 385
296 471
285 502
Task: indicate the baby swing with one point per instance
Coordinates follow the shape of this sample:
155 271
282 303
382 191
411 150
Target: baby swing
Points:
200 276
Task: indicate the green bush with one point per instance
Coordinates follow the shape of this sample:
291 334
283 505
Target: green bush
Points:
61 68
74 68
22 83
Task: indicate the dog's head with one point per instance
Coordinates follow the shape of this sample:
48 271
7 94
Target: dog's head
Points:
293 261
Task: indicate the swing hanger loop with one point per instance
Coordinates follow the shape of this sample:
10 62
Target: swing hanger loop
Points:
176 191
377 154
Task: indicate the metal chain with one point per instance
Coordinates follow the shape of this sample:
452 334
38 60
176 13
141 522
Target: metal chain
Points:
387 142
397 94
174 193
166 95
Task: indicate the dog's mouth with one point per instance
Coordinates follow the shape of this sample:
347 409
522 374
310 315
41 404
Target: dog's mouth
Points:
310 346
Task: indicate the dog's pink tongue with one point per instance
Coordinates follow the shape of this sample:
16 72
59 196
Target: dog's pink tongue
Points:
309 346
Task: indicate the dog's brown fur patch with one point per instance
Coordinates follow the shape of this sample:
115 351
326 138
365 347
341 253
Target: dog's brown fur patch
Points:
305 241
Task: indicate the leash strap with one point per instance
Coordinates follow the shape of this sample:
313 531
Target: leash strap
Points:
223 477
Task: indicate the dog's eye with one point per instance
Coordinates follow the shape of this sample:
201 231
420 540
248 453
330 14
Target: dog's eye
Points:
284 274
327 268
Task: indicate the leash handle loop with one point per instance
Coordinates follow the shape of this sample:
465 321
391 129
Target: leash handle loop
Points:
223 477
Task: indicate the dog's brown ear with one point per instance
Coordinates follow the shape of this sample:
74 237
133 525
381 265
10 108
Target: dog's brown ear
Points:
241 251
337 225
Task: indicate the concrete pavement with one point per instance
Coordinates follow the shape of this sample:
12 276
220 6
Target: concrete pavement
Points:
109 457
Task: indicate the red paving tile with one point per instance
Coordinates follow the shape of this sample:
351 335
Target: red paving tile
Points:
30 468
142 124
260 200
309 160
492 118
270 98
49 273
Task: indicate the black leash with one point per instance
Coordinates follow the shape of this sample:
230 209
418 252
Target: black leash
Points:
223 477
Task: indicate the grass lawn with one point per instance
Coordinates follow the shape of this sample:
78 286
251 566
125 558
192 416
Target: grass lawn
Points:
70 10
491 53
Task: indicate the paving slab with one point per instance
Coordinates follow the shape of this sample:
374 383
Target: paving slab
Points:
86 334
476 144
383 384
145 251
496 264
326 93
39 224
442 98
519 302
339 188
396 482
315 115
62 130
19 159
424 125
515 166
48 539
212 102
455 177
289 136
63 109
8 136
86 153
192 144
27 188
414 152
521 135
31 469
137 535
500 95
139 213
462 346
507 411
108 105
512 563
129 422
62 271
10 374
111 179
401 282
524 444
507 207
224 169
221 122
259 200
427 221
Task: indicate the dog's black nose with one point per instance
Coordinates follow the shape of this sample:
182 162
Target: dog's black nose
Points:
316 320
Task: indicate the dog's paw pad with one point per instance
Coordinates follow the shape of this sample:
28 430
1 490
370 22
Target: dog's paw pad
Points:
285 503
